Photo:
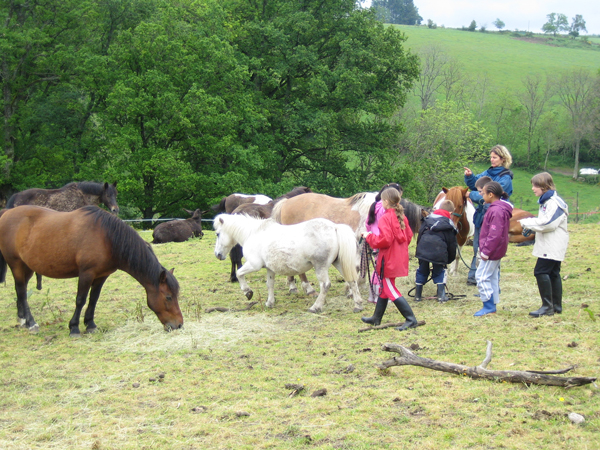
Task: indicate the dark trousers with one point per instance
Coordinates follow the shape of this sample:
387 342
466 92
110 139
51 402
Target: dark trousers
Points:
547 267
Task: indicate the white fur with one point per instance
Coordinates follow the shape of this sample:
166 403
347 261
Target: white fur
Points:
290 250
259 199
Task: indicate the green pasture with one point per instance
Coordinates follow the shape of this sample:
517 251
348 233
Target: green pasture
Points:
244 379
504 59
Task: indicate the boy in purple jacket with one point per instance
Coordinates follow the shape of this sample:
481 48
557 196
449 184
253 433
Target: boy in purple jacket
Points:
493 243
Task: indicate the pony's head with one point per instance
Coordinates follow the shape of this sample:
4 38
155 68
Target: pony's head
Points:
163 301
225 242
109 197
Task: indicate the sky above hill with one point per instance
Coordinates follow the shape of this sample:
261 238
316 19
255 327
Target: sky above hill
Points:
528 15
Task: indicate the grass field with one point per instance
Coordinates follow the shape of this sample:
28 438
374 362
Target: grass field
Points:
505 60
223 382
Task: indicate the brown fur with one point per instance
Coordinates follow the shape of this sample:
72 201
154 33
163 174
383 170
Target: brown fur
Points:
179 230
515 229
70 197
88 243
459 196
312 206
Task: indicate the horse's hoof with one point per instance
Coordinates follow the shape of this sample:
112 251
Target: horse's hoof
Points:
249 295
357 310
312 294
294 291
233 280
34 329
314 311
90 330
74 335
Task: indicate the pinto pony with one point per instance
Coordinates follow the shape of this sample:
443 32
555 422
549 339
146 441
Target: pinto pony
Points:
88 243
462 216
290 250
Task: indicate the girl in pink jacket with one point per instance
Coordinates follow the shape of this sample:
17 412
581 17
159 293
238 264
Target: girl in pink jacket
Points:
393 240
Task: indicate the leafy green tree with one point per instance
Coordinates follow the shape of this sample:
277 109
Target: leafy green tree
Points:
556 23
328 77
440 143
397 11
577 26
498 24
472 26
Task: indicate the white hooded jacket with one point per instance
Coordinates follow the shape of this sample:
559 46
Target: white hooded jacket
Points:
550 226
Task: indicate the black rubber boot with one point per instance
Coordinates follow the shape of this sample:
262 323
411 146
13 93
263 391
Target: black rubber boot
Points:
441 293
545 288
406 311
556 294
418 292
380 307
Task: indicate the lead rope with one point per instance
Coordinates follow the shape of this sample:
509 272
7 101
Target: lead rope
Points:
366 255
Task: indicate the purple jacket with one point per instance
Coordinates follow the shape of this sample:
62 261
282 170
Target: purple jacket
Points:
493 237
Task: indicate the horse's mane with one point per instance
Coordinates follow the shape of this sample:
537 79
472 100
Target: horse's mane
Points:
130 249
89 187
361 202
298 190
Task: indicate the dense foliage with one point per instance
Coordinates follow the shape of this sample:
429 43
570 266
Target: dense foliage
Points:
182 102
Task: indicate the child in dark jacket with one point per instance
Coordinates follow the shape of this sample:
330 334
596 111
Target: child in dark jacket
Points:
392 261
493 243
436 244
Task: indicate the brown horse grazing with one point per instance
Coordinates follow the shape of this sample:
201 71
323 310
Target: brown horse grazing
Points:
515 229
88 243
462 216
351 211
258 211
179 230
70 197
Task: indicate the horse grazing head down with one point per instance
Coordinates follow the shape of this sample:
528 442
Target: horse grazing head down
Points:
163 301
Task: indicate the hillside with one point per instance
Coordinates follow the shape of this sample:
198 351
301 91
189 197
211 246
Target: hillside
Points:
505 59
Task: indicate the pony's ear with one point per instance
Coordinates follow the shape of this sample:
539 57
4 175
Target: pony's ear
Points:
445 190
163 276
105 186
115 184
221 220
172 270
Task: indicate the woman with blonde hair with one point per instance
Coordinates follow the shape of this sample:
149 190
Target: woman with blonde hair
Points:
500 160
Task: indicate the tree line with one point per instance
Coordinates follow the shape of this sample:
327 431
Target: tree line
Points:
184 102
181 102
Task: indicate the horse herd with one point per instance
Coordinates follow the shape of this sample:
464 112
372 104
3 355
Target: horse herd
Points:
62 233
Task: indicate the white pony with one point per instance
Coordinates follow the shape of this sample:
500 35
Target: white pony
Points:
290 250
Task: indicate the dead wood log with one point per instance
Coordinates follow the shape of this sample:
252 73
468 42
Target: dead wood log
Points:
221 309
408 358
420 323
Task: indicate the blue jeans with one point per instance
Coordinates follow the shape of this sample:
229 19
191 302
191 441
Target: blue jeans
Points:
473 269
438 273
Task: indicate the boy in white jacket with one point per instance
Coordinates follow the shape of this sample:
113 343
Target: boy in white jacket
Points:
551 241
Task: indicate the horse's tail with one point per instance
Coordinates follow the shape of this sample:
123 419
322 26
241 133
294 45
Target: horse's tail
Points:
11 201
2 268
276 213
347 251
220 207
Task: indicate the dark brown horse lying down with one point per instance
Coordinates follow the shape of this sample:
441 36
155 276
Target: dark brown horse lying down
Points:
88 243
179 230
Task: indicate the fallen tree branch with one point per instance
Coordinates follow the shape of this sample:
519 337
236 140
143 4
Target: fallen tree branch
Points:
408 358
221 309
420 323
